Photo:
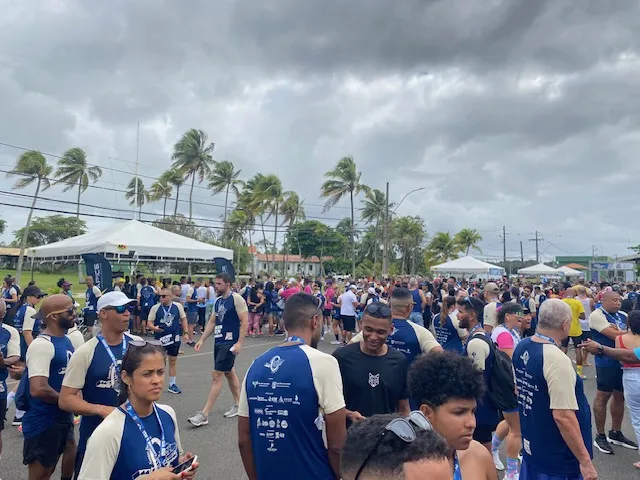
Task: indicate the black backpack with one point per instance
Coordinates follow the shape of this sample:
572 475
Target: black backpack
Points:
501 385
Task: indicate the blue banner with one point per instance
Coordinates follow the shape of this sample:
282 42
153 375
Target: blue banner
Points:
225 266
100 269
599 266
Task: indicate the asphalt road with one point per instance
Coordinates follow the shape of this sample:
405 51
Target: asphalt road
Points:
216 443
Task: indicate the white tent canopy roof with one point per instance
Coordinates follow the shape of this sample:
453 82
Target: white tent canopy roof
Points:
468 264
131 239
570 272
539 269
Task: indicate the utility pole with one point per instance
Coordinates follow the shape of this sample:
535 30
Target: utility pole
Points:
385 237
504 244
537 239
521 253
136 212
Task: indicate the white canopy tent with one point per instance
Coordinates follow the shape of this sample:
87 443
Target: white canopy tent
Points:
539 269
131 241
570 272
469 264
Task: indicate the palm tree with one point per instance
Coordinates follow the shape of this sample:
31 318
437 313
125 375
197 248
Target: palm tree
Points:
176 178
442 247
374 209
161 190
225 177
142 193
31 166
192 155
344 180
73 170
408 234
251 208
468 239
292 210
235 227
268 190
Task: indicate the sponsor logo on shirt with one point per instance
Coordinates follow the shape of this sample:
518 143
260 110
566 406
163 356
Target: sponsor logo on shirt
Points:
274 364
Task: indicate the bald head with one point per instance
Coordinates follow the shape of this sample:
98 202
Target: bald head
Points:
611 301
570 292
55 303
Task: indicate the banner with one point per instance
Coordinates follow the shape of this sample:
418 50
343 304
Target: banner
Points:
224 266
100 269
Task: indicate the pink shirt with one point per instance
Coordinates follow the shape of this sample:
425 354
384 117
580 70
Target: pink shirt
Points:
289 291
328 295
308 290
505 340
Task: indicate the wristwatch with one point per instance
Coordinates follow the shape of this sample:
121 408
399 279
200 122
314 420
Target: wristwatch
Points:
600 351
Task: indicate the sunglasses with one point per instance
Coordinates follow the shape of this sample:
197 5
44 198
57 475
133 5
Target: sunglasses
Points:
378 310
318 308
119 309
143 343
403 428
164 296
70 311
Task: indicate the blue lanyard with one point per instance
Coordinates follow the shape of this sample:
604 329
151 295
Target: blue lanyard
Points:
166 311
547 338
473 330
616 319
157 460
457 474
113 358
294 338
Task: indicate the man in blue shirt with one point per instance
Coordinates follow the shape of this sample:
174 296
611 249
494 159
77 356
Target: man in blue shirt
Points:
48 430
9 356
291 401
92 295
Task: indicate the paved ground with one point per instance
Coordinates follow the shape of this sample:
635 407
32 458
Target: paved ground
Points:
215 444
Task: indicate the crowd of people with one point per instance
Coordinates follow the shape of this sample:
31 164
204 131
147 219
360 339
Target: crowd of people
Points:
427 380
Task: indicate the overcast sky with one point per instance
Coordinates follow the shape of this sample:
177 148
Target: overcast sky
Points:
517 113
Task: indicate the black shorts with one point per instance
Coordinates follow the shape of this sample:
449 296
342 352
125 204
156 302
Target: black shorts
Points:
144 313
223 357
47 447
348 323
484 433
3 412
172 350
326 312
609 379
90 318
576 341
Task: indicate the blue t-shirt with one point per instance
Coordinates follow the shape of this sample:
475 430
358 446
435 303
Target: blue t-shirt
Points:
618 319
486 412
417 301
447 335
91 301
193 306
9 347
167 318
92 371
147 296
227 328
283 395
117 449
47 356
543 445
411 339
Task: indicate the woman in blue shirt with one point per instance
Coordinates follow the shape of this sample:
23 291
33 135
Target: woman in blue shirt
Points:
138 440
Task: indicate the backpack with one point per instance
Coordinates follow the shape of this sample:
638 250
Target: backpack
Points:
23 395
501 385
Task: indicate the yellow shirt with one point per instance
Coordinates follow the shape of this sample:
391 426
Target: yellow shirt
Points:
576 309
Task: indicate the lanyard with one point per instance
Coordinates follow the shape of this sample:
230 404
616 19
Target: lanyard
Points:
113 358
166 311
457 474
158 461
294 338
546 337
616 319
473 330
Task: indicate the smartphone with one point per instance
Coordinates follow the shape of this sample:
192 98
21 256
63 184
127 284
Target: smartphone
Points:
186 465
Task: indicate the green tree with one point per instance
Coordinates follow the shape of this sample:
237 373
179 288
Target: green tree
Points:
141 192
32 167
73 170
176 178
468 239
441 248
192 155
225 177
344 180
292 210
3 226
373 211
313 237
161 190
236 226
44 230
268 191
180 225
407 233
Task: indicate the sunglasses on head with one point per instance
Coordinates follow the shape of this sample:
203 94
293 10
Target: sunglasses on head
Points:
318 307
404 428
378 310
142 343
70 311
119 309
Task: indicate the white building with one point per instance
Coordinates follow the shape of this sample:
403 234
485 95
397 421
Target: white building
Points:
287 265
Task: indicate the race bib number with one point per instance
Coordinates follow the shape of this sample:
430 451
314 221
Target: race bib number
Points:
90 308
166 340
217 332
229 336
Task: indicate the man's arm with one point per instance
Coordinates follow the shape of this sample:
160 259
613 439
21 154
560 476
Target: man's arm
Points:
567 423
152 319
599 323
423 300
246 449
39 356
183 321
620 354
208 329
336 424
13 349
243 315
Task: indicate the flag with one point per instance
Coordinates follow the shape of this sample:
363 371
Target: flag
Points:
224 266
100 269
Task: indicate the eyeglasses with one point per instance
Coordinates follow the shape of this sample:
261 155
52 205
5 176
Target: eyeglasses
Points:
378 310
70 311
164 296
142 343
118 309
403 428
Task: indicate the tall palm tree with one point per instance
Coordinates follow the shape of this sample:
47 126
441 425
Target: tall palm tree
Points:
468 239
344 180
235 227
130 195
192 155
268 190
176 178
292 210
32 167
442 247
73 170
374 209
251 208
161 190
225 177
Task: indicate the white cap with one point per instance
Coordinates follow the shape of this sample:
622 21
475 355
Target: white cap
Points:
353 287
291 280
372 291
113 299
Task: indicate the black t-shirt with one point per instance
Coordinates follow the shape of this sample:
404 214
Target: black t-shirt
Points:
372 385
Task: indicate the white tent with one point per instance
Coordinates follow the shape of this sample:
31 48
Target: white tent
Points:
539 269
569 272
468 264
134 241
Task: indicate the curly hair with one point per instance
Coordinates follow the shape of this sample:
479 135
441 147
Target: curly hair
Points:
436 378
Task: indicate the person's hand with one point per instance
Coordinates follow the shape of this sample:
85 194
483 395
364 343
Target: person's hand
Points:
356 417
1 360
158 330
191 473
165 473
236 348
16 371
590 346
588 471
198 346
186 337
